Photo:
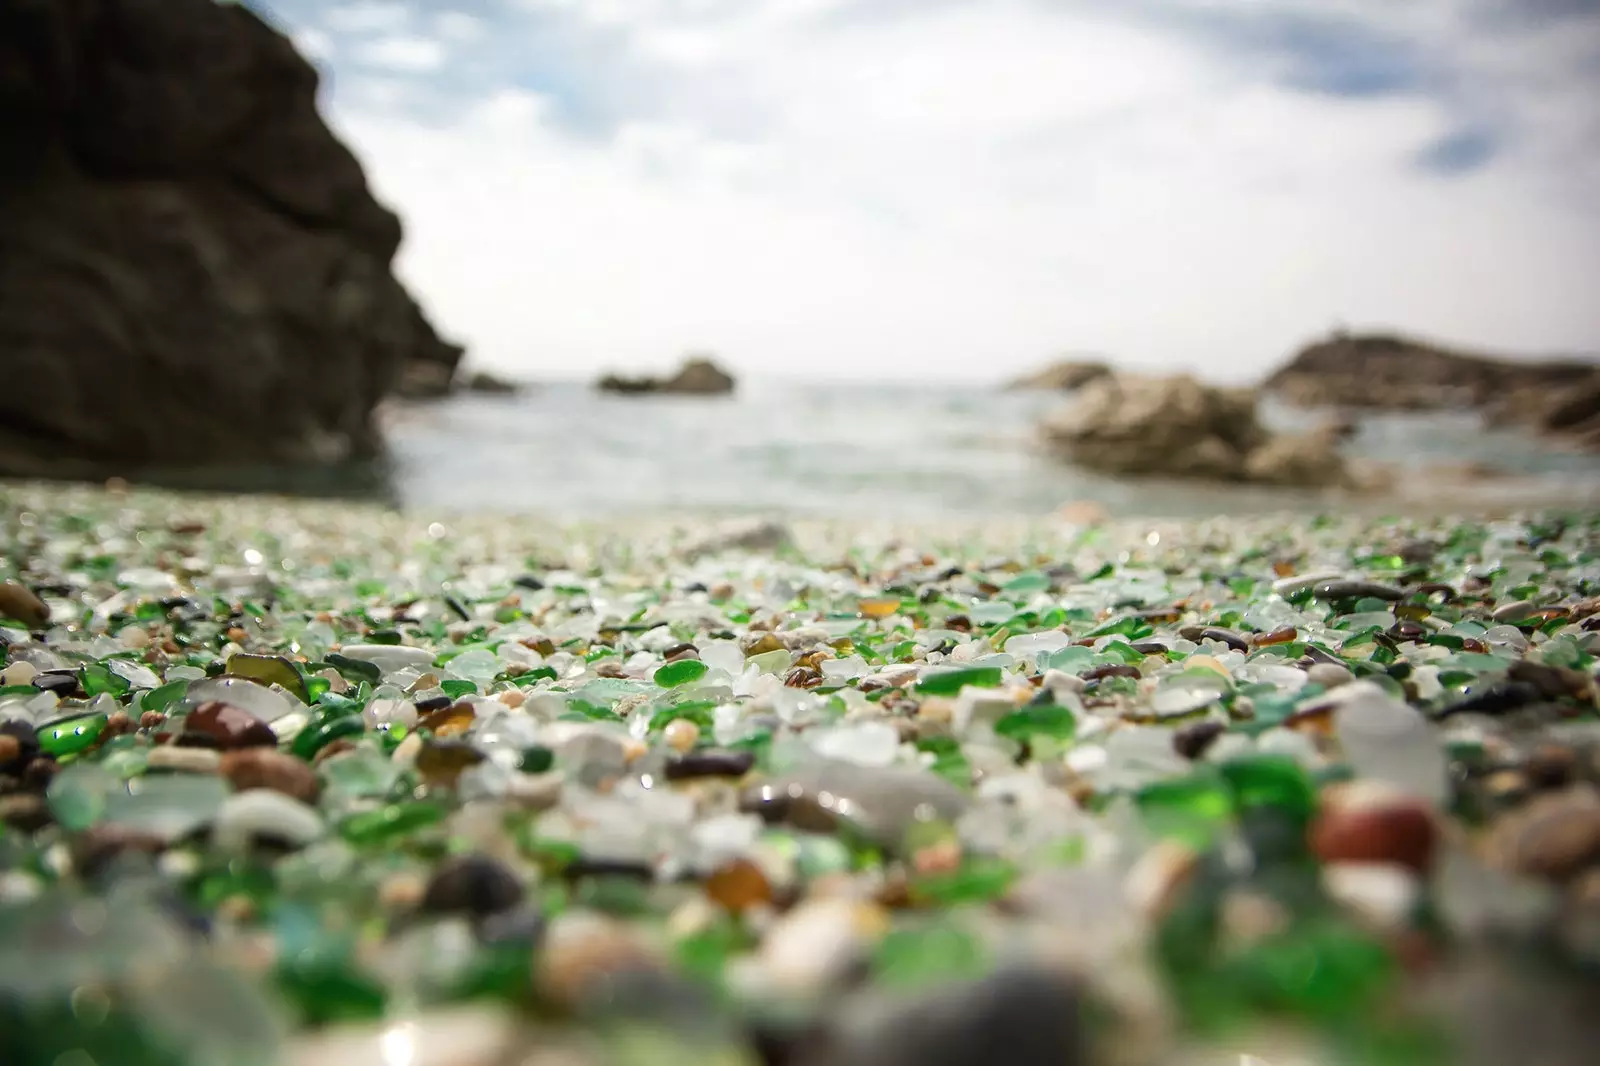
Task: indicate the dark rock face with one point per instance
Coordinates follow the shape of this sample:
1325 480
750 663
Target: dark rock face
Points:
1390 372
192 270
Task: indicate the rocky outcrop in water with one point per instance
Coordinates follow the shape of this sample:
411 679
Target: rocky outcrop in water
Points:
698 376
1065 375
1180 427
1381 371
192 269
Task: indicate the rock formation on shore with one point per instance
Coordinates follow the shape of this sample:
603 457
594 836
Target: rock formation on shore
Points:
698 376
192 269
1383 371
1064 375
1180 427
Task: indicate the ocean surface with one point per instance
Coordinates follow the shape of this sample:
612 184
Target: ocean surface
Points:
860 450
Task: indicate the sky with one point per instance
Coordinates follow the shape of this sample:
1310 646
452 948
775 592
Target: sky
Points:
965 189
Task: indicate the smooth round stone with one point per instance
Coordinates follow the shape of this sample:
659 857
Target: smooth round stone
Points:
390 658
1391 741
1192 740
472 885
184 760
882 802
19 673
1384 894
1554 836
1513 611
817 942
19 602
1329 675
1356 590
230 727
264 814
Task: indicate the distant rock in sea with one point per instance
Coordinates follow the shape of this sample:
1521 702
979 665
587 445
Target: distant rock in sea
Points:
1382 371
698 376
192 269
1180 427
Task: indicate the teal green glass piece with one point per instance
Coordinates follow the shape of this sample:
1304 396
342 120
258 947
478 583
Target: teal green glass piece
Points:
78 794
159 699
951 682
99 680
356 670
913 958
1274 781
394 820
311 740
680 673
1051 720
1194 808
324 987
978 880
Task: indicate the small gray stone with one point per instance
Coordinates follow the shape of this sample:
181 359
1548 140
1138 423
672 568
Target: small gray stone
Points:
1329 675
264 814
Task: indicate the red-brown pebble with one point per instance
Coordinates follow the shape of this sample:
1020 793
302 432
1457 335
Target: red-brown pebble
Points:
267 768
1356 825
231 727
739 885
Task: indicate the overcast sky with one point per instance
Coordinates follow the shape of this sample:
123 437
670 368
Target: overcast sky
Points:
965 188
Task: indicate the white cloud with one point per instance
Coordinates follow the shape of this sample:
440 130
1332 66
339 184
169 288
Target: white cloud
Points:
458 26
961 191
368 16
314 44
414 55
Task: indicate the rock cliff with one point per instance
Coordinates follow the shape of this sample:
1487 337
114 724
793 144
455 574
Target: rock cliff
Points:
192 269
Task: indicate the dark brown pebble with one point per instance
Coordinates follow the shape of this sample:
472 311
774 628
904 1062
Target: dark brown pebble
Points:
629 868
1551 766
1285 635
434 703
23 748
517 927
1110 670
151 719
1159 615
1150 647
1407 631
1496 699
679 652
1417 551
1193 739
1395 829
1355 590
802 677
473 885
1553 682
710 762
25 811
64 683
97 848
1226 636
231 727
40 772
